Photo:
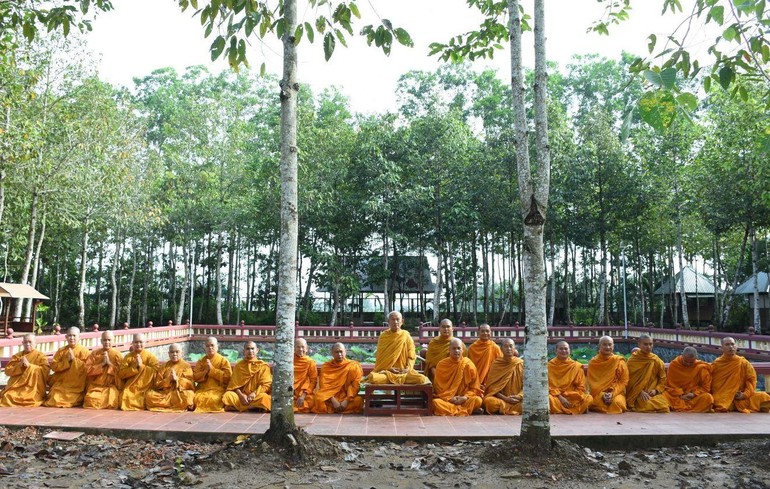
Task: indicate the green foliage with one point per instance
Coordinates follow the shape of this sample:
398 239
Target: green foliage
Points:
232 355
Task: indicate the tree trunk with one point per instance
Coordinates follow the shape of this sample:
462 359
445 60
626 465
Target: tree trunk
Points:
730 294
230 273
755 272
567 306
185 282
82 282
682 291
36 268
28 255
114 282
218 279
439 285
131 282
386 264
602 312
552 308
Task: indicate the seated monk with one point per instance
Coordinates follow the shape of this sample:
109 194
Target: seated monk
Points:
68 382
607 379
688 383
566 383
456 390
438 348
734 383
338 385
251 383
212 373
394 362
27 373
173 390
646 380
506 380
102 382
483 352
137 371
305 377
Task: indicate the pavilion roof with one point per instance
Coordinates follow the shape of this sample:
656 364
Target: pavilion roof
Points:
694 283
747 287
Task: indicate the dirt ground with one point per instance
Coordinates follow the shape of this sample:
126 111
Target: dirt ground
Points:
27 460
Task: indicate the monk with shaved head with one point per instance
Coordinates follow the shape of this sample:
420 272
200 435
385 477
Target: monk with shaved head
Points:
173 390
607 379
27 373
305 377
483 352
68 383
212 373
688 383
734 382
251 384
646 380
102 384
338 385
456 389
394 361
137 371
566 383
505 382
438 348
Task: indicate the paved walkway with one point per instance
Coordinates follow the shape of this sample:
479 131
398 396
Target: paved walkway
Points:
629 429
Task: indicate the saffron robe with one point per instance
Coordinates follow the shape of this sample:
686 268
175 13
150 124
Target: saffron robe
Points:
730 375
340 380
438 349
646 372
482 354
136 380
169 396
212 384
26 386
456 378
68 382
305 380
507 378
566 378
682 380
102 382
250 377
608 374
395 350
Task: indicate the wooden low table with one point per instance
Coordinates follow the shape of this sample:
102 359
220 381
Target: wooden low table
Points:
387 399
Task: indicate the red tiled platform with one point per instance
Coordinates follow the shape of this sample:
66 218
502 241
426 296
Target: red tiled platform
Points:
629 429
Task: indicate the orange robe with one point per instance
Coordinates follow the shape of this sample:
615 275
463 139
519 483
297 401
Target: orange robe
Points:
26 386
456 378
483 354
103 385
395 350
438 349
305 380
212 384
68 382
566 378
682 380
646 371
169 396
507 378
730 376
250 377
136 381
608 375
340 380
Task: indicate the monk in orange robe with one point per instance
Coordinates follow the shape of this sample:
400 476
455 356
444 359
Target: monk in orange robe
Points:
438 348
646 380
483 352
251 383
456 389
734 383
394 362
137 371
102 382
212 373
27 373
338 385
68 382
566 383
607 379
305 377
174 390
505 382
688 383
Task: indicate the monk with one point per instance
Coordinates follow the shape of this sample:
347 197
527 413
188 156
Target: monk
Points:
483 352
102 383
456 389
173 390
394 362
734 383
251 383
68 382
137 371
438 348
27 373
305 377
688 383
505 382
338 385
607 379
212 373
566 383
646 380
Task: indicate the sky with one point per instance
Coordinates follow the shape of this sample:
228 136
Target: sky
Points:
140 36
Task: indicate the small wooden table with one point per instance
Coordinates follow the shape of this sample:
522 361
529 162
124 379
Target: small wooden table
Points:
387 399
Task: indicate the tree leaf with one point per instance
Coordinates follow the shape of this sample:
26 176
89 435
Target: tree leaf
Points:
217 47
298 33
726 76
688 100
657 109
651 45
403 37
329 44
309 32
717 13
730 34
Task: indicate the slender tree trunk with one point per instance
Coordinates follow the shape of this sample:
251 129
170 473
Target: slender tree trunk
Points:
2 189
484 244
730 294
230 272
386 264
131 282
145 285
35 269
114 282
439 285
82 281
682 291
602 312
755 272
715 282
218 279
57 289
567 305
185 282
28 254
552 308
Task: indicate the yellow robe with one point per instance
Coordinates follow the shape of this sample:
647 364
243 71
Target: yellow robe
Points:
136 381
566 378
608 375
212 384
438 349
456 378
340 380
305 380
250 377
26 386
169 396
682 380
732 375
102 384
482 354
507 378
395 350
646 372
68 382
